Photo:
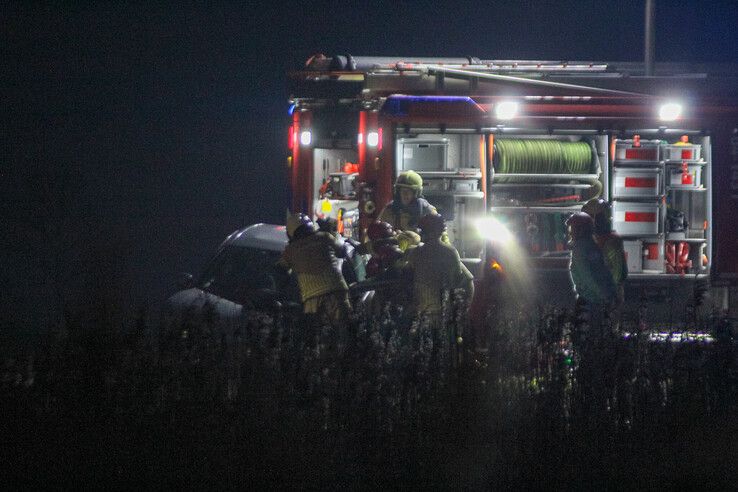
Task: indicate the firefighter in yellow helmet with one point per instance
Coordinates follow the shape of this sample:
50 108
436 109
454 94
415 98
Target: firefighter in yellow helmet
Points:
313 256
436 267
408 205
610 243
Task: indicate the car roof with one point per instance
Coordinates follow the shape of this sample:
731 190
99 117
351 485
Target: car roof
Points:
270 237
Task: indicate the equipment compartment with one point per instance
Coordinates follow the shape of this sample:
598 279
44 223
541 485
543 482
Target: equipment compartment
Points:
630 182
424 154
653 256
637 150
634 255
684 175
635 218
688 152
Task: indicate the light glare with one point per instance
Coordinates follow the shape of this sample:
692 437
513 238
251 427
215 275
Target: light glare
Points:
372 139
670 111
306 137
493 230
506 110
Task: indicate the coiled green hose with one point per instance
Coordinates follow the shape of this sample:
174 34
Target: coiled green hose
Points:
519 156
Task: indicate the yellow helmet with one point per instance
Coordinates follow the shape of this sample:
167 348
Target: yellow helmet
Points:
410 179
407 239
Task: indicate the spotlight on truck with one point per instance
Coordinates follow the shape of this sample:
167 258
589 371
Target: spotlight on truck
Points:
506 110
670 111
306 137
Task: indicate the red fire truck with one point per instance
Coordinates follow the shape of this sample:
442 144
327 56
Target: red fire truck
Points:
516 146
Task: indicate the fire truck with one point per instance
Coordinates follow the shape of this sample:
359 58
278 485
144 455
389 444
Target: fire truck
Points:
514 147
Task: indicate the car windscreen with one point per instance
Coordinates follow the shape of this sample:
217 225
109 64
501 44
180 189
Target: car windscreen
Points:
237 271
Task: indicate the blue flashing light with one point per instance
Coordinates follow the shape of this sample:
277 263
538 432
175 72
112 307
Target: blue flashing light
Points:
291 109
439 99
398 105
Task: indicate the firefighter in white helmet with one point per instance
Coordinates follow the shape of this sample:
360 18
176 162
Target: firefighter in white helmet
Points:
313 256
404 212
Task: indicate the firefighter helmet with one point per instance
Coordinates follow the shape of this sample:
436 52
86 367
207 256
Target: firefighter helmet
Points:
327 224
580 225
410 179
379 230
595 207
407 239
432 225
295 221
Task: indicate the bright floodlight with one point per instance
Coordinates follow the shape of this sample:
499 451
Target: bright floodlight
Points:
306 137
506 110
372 139
670 111
492 229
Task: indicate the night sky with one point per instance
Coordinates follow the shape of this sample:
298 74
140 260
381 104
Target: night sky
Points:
135 138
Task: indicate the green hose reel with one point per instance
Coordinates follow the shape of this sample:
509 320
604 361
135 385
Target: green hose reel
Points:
521 156
519 160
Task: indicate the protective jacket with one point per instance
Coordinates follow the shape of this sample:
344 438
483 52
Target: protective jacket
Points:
403 218
436 267
612 249
589 274
314 259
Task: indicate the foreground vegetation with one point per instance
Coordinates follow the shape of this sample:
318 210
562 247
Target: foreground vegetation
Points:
277 400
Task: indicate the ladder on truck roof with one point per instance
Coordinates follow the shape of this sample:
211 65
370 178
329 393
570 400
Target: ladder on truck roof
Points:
386 63
369 64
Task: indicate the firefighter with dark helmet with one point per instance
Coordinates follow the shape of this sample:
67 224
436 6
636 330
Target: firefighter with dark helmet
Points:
353 265
408 205
383 247
610 243
436 267
590 277
380 231
313 256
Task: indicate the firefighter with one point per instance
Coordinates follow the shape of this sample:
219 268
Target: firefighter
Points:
592 282
408 205
610 243
353 266
313 256
436 267
385 268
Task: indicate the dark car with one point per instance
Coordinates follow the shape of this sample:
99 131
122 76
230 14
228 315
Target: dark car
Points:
243 273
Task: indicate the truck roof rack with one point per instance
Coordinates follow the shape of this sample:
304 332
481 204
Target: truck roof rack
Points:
379 64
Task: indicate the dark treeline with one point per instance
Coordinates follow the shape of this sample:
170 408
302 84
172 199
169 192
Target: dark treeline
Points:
275 401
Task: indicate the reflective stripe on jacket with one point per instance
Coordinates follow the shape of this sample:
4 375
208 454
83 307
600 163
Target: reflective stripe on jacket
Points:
314 260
